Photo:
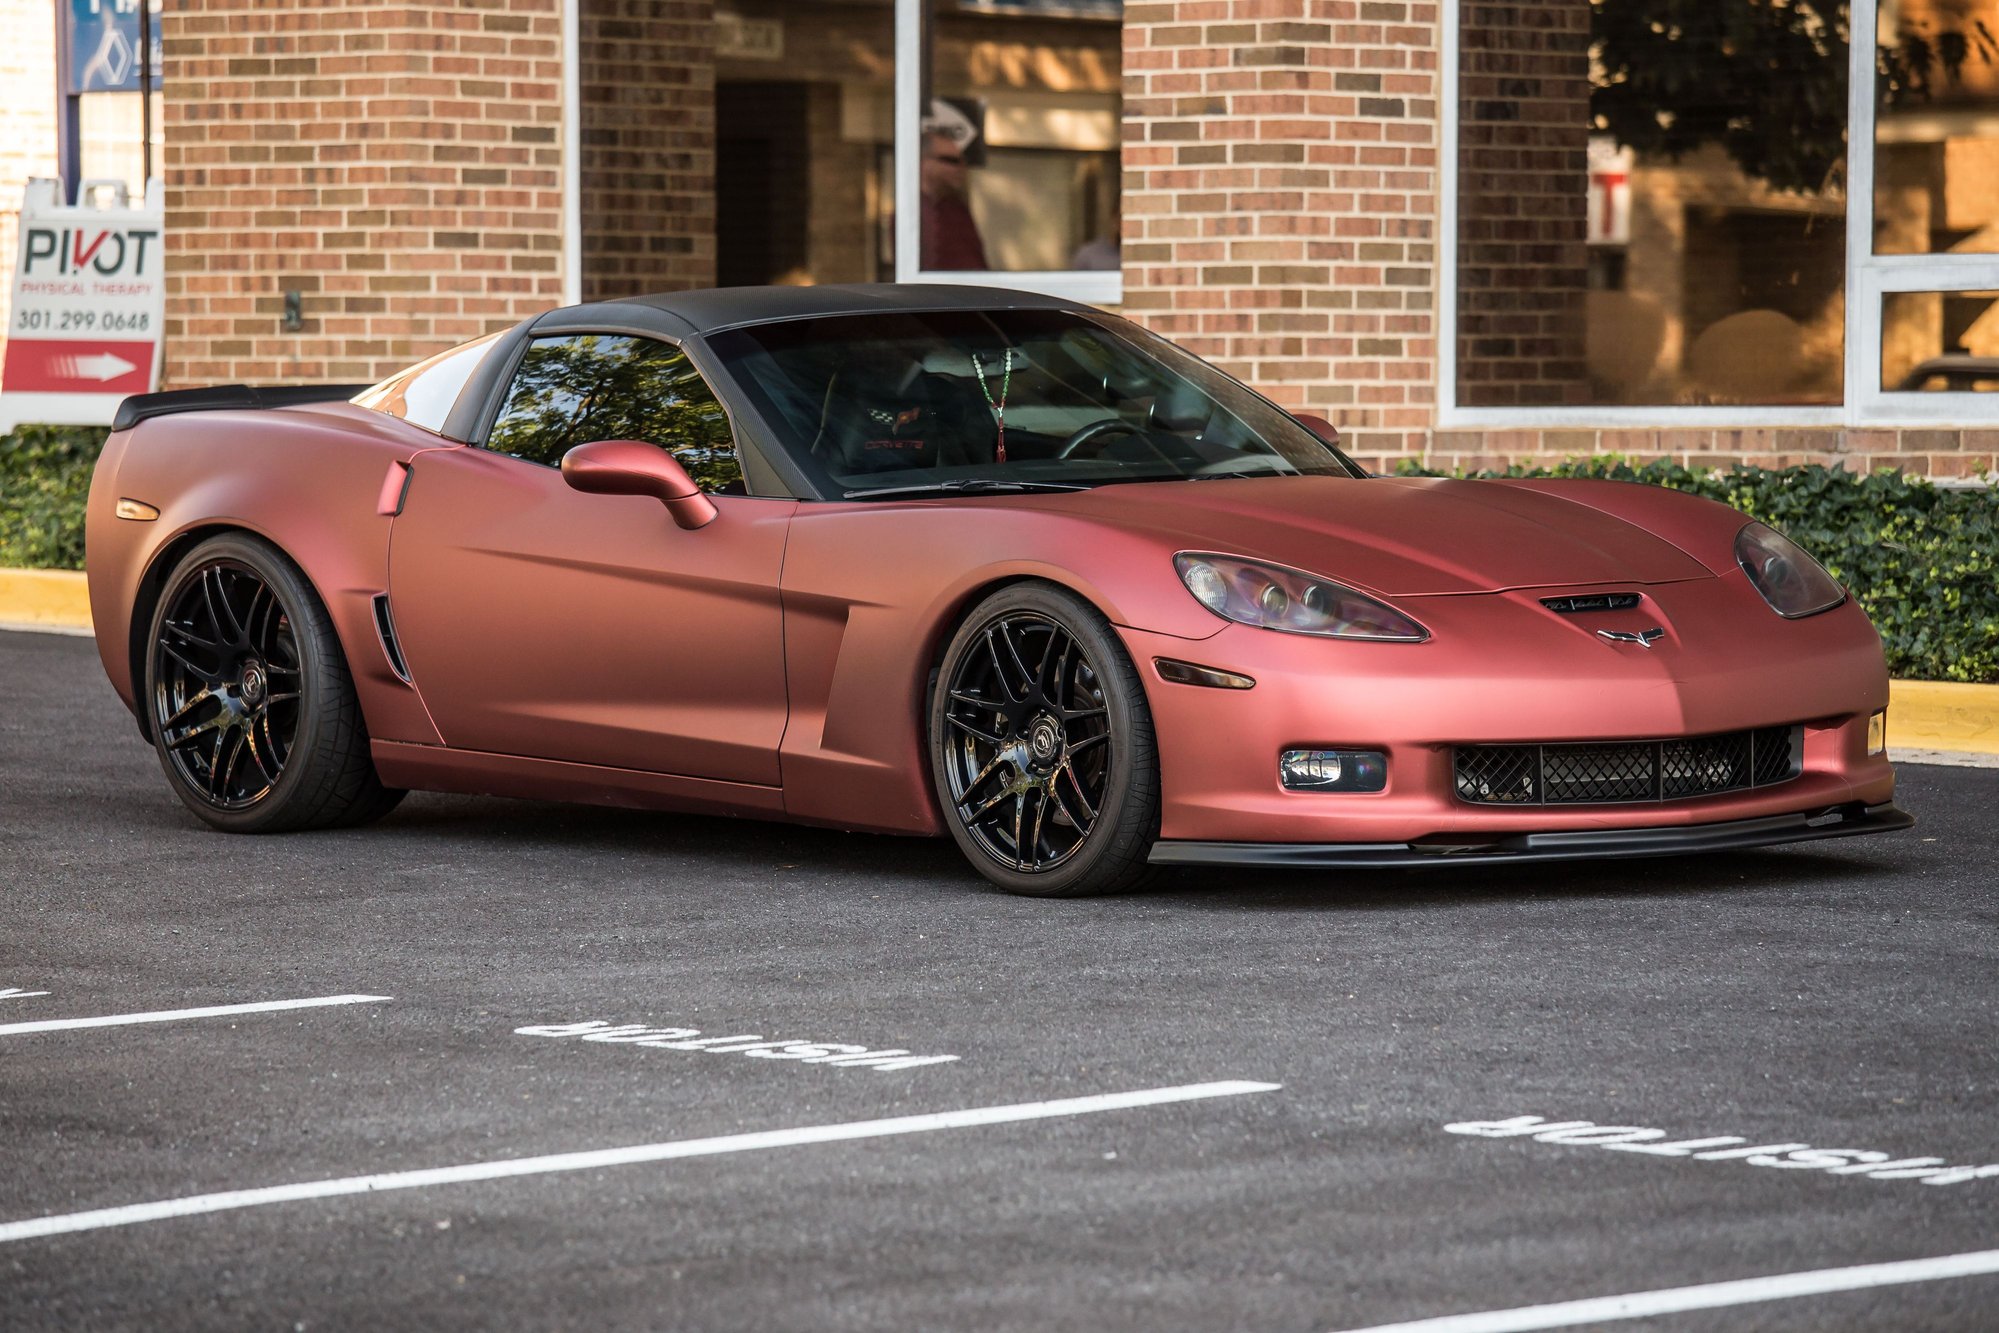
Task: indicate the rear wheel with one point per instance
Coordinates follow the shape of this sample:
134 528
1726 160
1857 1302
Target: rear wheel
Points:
251 705
1041 747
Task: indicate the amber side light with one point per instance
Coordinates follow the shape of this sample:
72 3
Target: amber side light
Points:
137 510
1187 673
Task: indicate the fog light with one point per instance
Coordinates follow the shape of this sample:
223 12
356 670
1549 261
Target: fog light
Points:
1877 733
1333 770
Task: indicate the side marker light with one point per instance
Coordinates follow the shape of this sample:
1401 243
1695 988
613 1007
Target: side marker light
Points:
1187 673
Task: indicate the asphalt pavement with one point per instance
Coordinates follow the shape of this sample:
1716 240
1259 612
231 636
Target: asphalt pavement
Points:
1252 1101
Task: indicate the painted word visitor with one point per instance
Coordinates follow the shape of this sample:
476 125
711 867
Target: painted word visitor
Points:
1872 1164
843 1055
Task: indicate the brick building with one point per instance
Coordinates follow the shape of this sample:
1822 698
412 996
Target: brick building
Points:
1434 221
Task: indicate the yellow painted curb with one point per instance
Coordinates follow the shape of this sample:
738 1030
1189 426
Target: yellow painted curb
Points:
47 598
1942 715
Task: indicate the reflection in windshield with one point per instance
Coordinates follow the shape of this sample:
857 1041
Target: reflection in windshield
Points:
915 398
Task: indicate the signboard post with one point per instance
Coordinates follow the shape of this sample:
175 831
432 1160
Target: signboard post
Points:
89 299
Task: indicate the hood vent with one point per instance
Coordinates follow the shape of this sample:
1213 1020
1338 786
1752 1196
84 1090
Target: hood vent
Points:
1593 601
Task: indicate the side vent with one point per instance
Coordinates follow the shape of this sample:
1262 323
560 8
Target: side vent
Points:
386 628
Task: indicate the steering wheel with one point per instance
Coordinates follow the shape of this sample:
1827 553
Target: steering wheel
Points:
1097 430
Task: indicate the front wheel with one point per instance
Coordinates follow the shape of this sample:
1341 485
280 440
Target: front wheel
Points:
1041 747
251 706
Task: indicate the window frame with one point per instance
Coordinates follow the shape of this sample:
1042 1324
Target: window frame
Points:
1089 286
496 406
372 396
1869 277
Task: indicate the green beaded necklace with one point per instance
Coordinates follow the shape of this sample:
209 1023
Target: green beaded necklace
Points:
998 407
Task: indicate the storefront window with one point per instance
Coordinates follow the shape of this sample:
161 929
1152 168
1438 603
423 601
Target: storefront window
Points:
1940 342
803 117
1651 203
1936 128
1018 135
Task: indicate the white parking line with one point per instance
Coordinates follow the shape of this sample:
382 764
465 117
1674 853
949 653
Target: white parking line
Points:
1709 1296
175 1015
603 1157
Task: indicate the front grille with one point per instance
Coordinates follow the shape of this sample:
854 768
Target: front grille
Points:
1623 771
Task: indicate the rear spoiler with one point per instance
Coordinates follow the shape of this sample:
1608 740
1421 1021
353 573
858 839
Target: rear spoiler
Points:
225 397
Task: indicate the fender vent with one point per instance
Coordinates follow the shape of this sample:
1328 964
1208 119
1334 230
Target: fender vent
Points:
386 628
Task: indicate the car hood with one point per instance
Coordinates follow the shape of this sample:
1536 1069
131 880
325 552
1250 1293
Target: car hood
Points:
1398 536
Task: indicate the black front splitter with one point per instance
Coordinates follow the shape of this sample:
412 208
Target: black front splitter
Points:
1839 821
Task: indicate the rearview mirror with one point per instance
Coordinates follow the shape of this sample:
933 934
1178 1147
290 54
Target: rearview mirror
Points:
633 467
1327 432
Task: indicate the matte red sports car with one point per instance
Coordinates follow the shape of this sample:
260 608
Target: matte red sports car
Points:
947 560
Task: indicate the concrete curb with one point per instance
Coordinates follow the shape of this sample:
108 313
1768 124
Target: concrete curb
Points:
1942 715
1922 714
49 599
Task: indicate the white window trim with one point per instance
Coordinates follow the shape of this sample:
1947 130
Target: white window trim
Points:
1092 287
572 154
1868 277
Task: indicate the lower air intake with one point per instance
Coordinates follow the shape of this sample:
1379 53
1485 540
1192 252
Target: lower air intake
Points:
1625 771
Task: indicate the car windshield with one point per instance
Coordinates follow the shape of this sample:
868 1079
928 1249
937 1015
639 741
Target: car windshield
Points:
1003 400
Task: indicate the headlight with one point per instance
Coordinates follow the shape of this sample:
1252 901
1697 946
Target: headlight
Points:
1792 582
1274 597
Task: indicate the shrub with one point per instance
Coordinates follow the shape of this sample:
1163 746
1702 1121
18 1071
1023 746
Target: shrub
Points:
44 480
1922 559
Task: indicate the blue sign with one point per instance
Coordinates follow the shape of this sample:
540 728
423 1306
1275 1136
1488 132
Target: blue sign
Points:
103 37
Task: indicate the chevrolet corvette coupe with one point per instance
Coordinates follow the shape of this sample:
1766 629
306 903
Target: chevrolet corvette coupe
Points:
949 560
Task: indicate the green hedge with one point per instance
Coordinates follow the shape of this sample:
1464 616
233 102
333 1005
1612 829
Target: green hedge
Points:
1923 559
44 480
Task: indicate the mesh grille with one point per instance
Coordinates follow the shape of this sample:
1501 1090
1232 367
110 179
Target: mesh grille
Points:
1667 770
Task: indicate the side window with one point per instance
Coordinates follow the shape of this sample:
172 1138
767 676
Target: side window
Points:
424 394
607 386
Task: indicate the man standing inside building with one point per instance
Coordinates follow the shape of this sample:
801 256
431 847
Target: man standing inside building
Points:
950 234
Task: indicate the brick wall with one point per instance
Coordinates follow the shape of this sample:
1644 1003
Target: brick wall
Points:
1280 207
1522 174
397 164
648 146
27 120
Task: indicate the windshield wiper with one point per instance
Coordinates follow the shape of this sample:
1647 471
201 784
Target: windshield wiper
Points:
968 486
1239 476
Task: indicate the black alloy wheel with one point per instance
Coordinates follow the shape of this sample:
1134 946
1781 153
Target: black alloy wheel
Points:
251 707
227 687
1042 747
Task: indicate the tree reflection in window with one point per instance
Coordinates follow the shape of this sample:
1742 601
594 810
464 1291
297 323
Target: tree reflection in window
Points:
599 386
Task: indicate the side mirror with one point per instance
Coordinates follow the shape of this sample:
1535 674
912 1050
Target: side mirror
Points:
1319 426
633 467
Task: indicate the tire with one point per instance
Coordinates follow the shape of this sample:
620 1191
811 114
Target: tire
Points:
1042 749
240 649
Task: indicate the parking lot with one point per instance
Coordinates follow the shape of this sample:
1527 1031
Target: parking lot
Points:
555 1067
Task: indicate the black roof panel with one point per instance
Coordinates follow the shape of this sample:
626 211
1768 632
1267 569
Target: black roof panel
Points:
685 314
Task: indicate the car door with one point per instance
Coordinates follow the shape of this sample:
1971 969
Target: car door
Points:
542 621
